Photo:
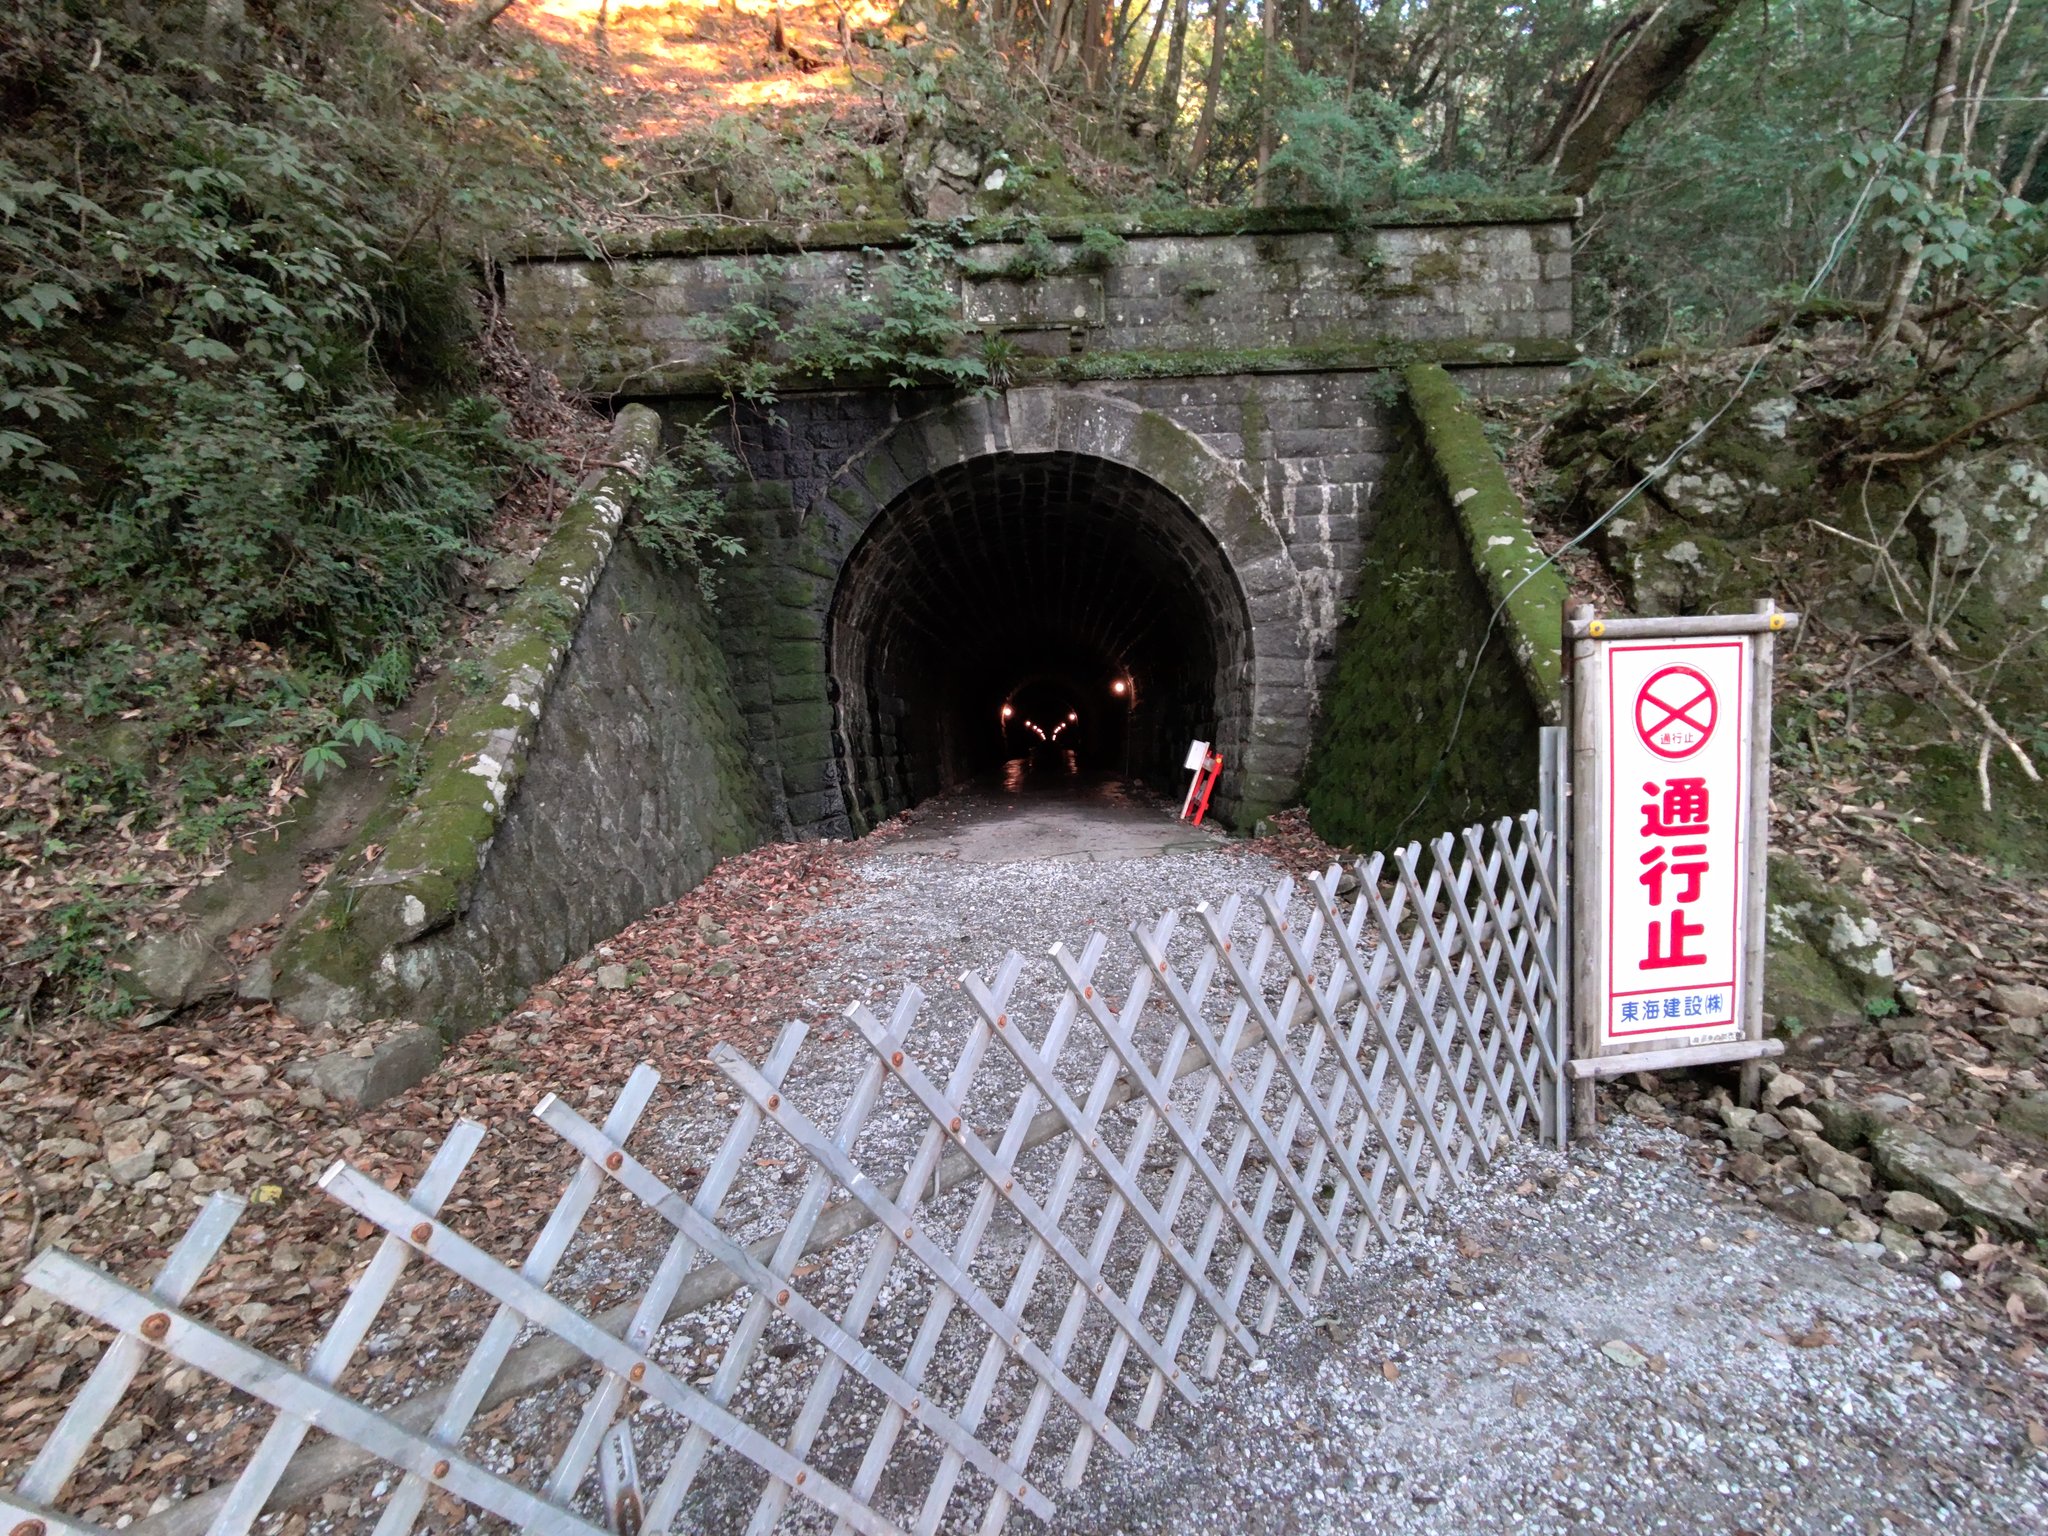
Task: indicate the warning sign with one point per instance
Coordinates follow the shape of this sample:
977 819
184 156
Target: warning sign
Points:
1676 840
1676 711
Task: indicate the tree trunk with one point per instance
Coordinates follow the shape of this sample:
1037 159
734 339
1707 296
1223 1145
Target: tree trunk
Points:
1169 87
1940 109
1644 60
1982 67
481 18
1206 124
1094 40
1269 85
1151 47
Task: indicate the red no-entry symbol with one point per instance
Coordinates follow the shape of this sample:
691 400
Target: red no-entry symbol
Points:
1676 711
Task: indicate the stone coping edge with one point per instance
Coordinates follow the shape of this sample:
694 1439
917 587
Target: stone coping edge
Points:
782 238
1528 593
1097 367
415 865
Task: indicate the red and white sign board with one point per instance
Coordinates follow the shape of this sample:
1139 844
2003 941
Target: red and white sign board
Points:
1671 733
1676 840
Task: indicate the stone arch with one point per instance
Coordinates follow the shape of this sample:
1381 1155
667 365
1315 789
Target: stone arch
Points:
1116 483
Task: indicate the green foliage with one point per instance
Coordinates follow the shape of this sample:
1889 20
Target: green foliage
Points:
1957 217
903 325
748 331
1344 149
1100 249
1730 198
323 757
235 310
681 505
243 437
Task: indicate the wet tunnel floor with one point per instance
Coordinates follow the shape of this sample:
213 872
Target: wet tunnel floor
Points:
1048 808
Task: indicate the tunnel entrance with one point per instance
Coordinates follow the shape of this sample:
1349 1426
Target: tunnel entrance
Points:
1042 616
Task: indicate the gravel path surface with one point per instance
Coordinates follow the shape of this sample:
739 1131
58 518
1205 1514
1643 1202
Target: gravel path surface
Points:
1605 1342
1617 1341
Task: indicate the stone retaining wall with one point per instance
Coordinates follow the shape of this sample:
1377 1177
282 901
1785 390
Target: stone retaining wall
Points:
1449 659
596 769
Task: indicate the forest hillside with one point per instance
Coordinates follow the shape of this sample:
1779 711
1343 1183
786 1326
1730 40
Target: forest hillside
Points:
272 463
265 450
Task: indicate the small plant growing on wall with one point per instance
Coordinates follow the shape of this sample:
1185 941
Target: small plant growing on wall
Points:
682 506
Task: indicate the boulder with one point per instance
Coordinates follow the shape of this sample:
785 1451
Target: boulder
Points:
1826 952
1961 1184
2031 1292
1815 1207
129 1159
1910 1048
1857 1228
2019 1000
1899 1243
388 1068
2026 1116
1781 1088
175 970
1846 1124
1833 1170
1916 1212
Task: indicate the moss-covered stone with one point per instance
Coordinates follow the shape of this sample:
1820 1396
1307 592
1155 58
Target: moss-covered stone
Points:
771 238
410 923
1826 964
1430 717
1161 363
1946 793
1525 589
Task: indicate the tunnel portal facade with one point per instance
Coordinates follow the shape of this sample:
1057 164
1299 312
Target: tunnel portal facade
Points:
1177 491
915 566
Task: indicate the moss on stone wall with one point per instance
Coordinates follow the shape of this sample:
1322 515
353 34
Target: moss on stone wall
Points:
764 238
577 786
1450 547
690 381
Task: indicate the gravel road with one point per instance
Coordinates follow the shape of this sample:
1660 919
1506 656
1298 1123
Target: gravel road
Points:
1616 1339
1605 1341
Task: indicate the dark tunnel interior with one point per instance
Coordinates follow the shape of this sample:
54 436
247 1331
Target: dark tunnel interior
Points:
1054 610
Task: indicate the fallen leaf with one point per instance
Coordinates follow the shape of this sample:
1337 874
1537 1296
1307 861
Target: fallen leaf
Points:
2037 1434
1514 1357
1391 1371
1623 1353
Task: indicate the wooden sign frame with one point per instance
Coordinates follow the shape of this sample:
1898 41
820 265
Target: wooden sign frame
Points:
1594 1054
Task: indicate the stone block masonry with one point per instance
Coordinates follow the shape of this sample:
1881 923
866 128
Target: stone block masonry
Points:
1448 659
1245 366
594 766
1225 472
1480 282
1286 471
